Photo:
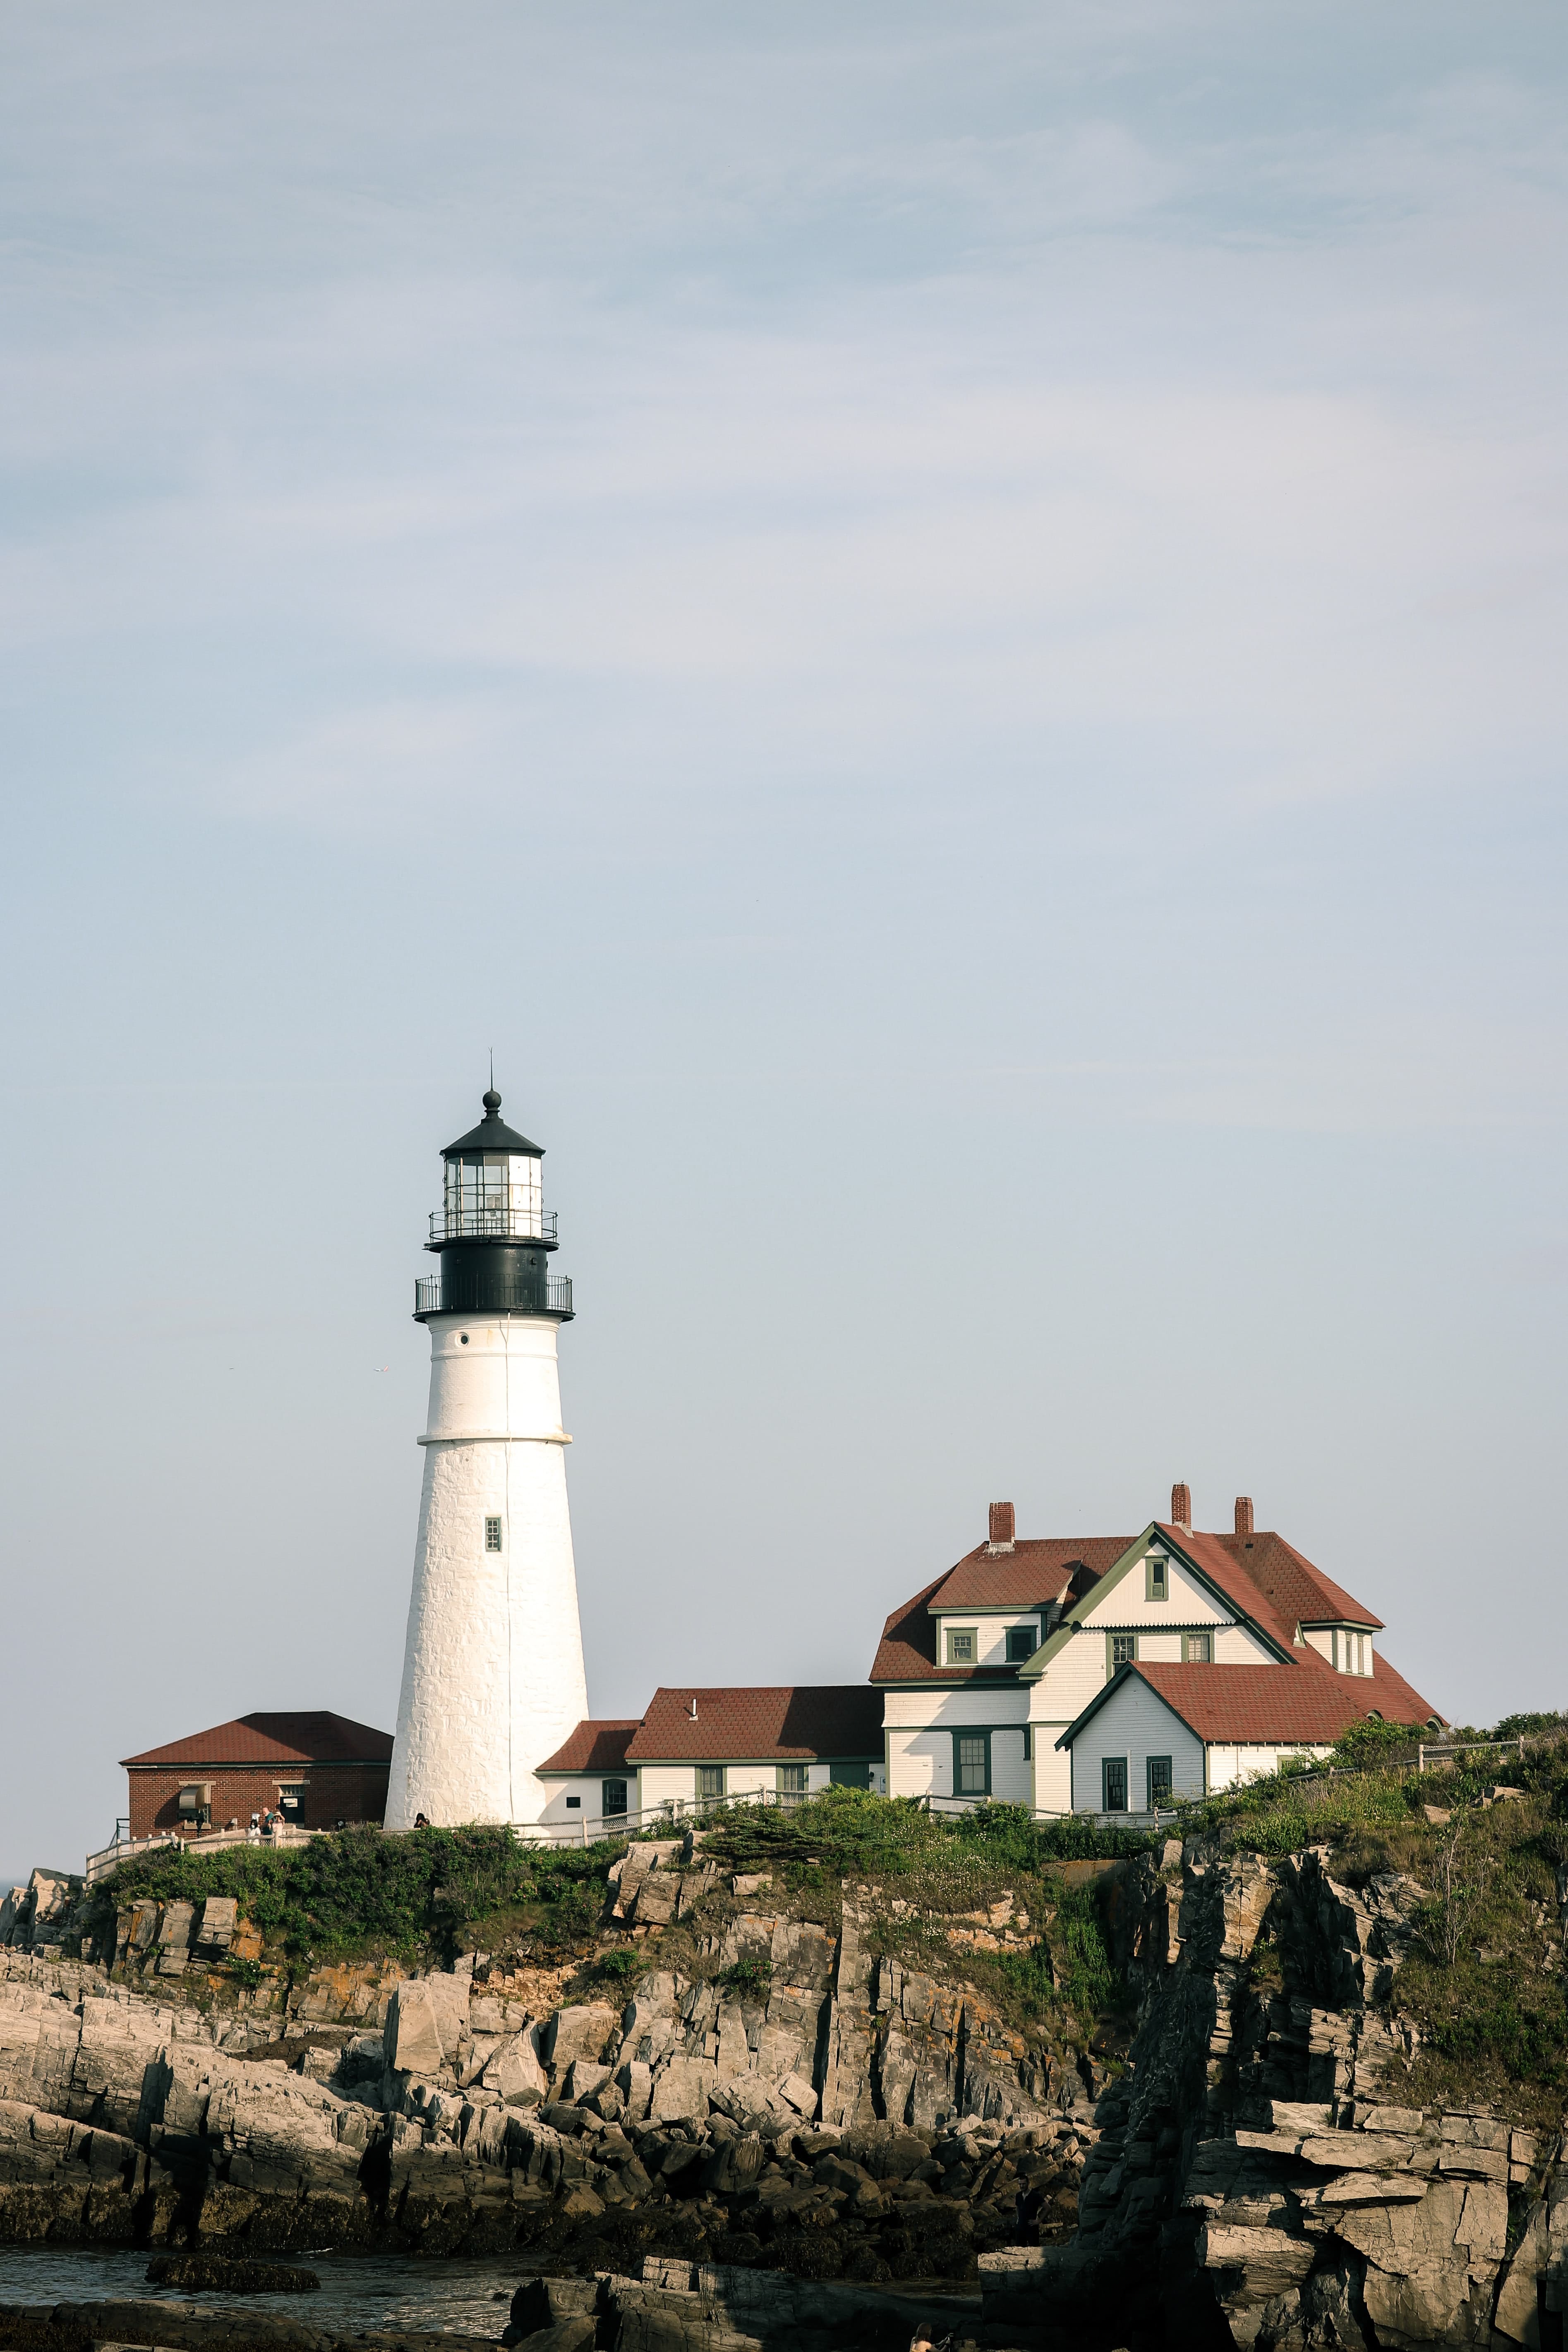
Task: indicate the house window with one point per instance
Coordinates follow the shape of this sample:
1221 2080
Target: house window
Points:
709 1780
793 1780
1028 1742
612 1799
1023 1641
1113 1773
1122 1650
960 1646
849 1776
1197 1649
1155 1586
1159 1776
492 1535
573 1804
971 1763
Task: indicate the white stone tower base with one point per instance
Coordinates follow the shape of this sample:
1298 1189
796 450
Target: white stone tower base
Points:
492 1676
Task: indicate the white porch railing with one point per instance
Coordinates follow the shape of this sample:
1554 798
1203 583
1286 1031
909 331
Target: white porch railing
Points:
126 1849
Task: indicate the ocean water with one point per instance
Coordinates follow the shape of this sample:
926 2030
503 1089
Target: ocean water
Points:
357 2291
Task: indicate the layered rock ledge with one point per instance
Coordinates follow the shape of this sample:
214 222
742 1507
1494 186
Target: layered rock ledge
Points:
1257 2179
806 2105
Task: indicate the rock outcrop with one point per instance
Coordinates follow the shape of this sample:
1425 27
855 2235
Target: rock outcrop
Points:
1256 2180
801 2102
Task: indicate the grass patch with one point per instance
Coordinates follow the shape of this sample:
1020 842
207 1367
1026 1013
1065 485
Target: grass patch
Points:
358 1894
749 1977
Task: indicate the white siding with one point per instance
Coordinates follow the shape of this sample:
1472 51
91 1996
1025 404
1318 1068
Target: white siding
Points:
1002 1703
1350 1652
1137 1725
1072 1678
590 1787
1228 1766
1189 1605
990 1633
920 1763
1164 1649
1053 1770
1010 1776
1237 1645
665 1783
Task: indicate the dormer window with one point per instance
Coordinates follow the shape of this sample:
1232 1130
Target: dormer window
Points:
1350 1652
1023 1641
961 1645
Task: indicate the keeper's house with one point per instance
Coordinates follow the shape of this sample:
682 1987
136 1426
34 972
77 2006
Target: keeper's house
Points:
314 1769
695 1747
1111 1674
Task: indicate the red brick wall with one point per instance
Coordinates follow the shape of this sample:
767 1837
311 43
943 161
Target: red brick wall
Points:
355 1791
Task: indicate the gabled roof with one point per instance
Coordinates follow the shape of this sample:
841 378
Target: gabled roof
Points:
1303 1702
592 1747
1298 1589
1208 1555
791 1723
907 1651
1034 1572
293 1739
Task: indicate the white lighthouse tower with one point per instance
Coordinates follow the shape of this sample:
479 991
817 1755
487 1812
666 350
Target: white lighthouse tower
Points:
492 1674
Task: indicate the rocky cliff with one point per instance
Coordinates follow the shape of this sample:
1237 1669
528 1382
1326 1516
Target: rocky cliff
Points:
791 2097
1261 2177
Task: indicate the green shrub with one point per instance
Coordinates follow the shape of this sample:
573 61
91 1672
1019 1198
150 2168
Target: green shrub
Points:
1372 1741
361 1889
1086 1981
749 1975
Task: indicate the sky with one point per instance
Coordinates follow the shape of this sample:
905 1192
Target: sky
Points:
943 626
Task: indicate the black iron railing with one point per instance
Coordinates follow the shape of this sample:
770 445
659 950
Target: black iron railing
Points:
464 1221
536 1295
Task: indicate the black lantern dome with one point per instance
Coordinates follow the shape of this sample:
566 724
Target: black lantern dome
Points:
492 1232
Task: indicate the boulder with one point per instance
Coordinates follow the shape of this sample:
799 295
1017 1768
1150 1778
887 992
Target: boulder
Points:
515 2072
414 2044
219 1918
680 2089
581 2031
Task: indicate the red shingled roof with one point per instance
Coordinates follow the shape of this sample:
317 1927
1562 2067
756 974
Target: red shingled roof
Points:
1032 1573
1298 1589
1265 1579
840 1720
1036 1570
592 1747
1269 1706
294 1739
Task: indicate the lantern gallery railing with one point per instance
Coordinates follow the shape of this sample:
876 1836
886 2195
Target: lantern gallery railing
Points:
491 1293
482 1221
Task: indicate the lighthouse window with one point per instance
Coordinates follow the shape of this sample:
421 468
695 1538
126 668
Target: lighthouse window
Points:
492 1535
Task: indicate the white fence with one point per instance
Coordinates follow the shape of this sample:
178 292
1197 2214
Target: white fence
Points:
126 1849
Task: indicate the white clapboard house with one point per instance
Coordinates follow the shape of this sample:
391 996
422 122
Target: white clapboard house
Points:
1111 1674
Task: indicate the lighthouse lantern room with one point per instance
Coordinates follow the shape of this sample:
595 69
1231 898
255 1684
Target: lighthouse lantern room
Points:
492 1678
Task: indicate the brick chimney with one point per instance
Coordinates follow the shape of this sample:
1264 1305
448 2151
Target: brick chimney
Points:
1244 1514
1002 1537
1181 1507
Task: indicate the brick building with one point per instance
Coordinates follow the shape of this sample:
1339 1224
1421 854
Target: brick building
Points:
315 1768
